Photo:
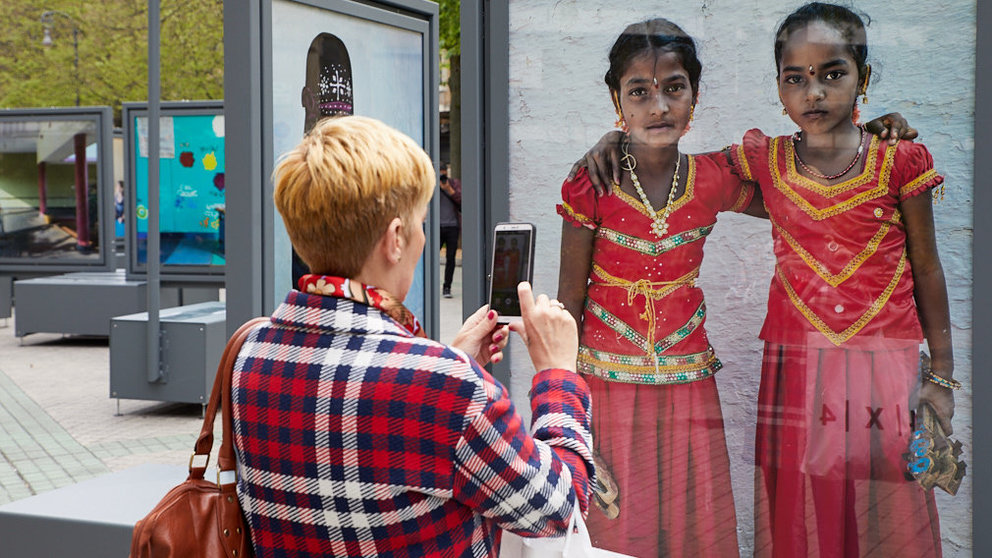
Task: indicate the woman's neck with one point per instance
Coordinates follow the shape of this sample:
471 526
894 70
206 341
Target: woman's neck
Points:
655 160
841 138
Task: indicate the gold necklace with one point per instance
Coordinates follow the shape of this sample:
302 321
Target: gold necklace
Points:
857 157
659 225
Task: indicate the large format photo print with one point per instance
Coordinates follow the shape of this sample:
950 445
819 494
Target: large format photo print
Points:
192 206
51 189
775 414
323 64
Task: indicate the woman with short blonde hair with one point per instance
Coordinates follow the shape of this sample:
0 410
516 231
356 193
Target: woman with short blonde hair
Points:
358 436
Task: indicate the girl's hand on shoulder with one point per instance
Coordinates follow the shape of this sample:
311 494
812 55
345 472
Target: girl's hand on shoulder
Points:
482 338
602 162
942 401
893 127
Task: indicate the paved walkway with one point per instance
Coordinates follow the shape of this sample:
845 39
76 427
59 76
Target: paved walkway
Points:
59 426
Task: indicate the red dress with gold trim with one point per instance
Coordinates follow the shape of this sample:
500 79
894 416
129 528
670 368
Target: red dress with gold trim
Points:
657 423
841 358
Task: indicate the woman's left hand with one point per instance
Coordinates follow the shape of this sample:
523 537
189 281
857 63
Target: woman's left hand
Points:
892 127
482 338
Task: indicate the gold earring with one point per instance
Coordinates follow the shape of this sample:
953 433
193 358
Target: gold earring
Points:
864 86
620 123
785 111
692 113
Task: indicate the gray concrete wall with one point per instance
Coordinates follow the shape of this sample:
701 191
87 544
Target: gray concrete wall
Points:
923 56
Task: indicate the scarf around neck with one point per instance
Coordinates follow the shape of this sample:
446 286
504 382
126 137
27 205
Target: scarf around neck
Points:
326 285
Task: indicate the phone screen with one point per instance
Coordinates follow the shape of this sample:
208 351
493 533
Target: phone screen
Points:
512 261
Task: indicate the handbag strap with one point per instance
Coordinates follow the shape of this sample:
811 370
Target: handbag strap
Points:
221 396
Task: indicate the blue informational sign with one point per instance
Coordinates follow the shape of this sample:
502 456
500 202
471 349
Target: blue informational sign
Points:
191 186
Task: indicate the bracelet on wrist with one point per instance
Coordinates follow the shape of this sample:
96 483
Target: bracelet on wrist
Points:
949 383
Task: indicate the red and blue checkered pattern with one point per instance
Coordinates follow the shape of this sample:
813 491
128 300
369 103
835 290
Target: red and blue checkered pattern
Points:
355 438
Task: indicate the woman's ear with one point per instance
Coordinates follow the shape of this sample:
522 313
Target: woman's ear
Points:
393 241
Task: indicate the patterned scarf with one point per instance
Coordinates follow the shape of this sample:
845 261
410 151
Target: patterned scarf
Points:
327 285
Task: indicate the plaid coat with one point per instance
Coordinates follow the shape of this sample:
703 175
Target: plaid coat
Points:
355 438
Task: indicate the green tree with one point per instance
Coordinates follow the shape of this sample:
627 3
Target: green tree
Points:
450 39
113 52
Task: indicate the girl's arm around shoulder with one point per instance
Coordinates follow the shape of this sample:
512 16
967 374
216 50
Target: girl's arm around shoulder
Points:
579 201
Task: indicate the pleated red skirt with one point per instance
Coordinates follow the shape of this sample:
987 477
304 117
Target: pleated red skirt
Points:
666 449
833 425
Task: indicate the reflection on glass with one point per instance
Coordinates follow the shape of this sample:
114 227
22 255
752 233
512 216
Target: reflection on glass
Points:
856 287
48 190
191 188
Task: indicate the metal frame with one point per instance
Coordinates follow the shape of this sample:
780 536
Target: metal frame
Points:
485 144
103 116
211 274
981 296
248 93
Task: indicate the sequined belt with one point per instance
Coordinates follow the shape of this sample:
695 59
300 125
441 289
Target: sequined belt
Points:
633 369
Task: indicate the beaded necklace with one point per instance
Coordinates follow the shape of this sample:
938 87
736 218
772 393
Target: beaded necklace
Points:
857 156
659 225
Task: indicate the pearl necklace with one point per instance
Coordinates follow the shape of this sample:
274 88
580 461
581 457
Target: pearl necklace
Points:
659 225
857 157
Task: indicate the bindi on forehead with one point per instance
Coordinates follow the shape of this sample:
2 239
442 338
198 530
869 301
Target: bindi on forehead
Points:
815 50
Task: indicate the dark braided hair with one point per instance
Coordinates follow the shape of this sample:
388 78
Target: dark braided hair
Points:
850 25
650 35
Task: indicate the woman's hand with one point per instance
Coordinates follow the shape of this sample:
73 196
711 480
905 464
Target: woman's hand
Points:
602 162
942 401
482 338
548 330
893 127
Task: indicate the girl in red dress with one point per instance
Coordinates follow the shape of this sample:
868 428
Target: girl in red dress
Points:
628 266
857 285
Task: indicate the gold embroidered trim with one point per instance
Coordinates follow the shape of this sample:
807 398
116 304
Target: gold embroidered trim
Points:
844 274
631 334
742 162
650 290
653 248
576 215
686 197
827 190
843 336
915 183
836 209
742 198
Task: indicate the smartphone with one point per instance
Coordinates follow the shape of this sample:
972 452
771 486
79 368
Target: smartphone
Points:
512 262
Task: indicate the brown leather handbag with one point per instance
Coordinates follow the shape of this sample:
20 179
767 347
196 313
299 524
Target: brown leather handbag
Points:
200 518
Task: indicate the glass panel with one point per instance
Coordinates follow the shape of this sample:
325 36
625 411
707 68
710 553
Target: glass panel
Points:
778 418
191 188
48 191
323 64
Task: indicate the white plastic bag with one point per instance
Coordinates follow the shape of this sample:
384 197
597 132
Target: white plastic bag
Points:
575 544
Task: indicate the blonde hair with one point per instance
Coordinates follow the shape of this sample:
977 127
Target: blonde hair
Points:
340 187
